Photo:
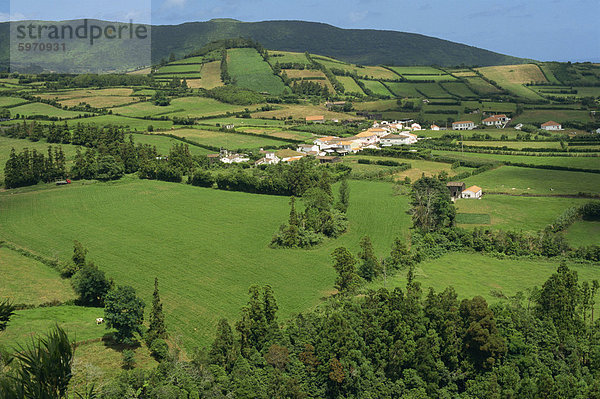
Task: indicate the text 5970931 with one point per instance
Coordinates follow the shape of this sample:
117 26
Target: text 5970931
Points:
41 46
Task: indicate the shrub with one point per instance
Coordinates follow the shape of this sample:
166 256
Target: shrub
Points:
128 359
159 349
591 211
202 178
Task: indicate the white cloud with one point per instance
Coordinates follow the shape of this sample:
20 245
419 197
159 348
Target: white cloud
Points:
174 3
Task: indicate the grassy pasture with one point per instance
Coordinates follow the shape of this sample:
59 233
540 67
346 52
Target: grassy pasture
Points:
78 93
458 89
10 101
549 74
515 213
99 101
584 233
277 132
417 70
301 111
185 68
134 124
249 70
27 281
476 274
419 166
205 246
78 321
371 72
183 107
517 145
576 162
512 78
380 105
231 141
481 86
498 107
464 74
538 116
376 87
437 78
34 109
210 77
403 89
242 122
431 90
287 57
304 73
350 85
516 180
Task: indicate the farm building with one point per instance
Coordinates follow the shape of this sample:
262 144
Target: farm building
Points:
366 138
496 120
310 149
434 127
315 119
398 139
329 159
287 155
456 188
463 125
472 192
551 125
269 159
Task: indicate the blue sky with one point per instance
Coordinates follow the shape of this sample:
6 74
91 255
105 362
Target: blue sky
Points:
561 30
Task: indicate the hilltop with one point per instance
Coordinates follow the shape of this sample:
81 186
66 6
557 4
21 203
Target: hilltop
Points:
359 46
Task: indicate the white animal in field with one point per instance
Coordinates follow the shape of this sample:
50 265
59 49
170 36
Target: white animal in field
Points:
99 320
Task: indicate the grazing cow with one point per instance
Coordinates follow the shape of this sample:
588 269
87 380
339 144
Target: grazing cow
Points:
99 320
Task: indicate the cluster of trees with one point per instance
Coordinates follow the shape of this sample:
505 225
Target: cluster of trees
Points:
177 164
235 95
322 217
31 167
308 88
55 81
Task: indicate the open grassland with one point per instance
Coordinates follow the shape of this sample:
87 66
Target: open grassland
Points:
417 70
134 124
287 57
515 180
473 274
193 107
419 167
78 93
210 77
231 141
515 213
350 85
481 86
34 109
241 122
99 101
303 73
583 233
512 78
27 281
249 70
7 144
370 72
11 101
206 247
575 162
78 321
164 144
458 89
431 90
184 68
539 116
403 89
277 132
517 145
436 78
301 111
498 107
548 73
376 87
381 105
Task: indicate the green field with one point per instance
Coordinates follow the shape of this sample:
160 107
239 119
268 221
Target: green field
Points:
229 140
539 116
517 145
476 274
79 322
205 246
179 69
10 101
287 57
27 281
249 70
431 90
458 89
241 122
515 180
481 86
584 233
133 123
193 107
403 89
436 78
350 85
34 109
417 70
575 162
509 212
376 87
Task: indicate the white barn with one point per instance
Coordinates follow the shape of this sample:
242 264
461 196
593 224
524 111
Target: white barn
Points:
472 192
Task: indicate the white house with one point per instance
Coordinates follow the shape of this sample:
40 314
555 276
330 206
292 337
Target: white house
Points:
415 126
434 127
235 158
269 159
496 120
398 139
551 125
472 192
324 142
308 148
366 138
463 125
